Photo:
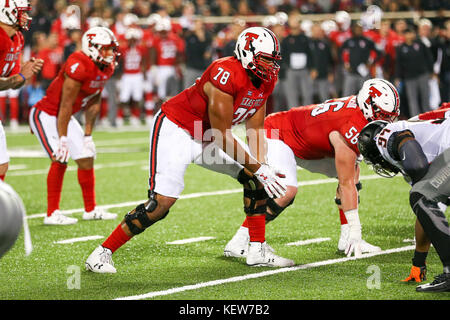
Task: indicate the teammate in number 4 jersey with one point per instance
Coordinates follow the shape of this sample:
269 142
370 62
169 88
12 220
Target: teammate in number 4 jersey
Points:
232 90
13 20
323 138
77 86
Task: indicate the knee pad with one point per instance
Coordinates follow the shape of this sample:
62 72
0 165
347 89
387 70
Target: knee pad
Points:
246 180
254 196
251 192
140 214
276 209
430 217
414 198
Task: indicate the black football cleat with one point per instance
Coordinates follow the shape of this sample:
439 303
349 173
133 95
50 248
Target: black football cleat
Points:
441 283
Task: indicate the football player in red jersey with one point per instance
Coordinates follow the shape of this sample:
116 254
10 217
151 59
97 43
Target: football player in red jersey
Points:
77 86
442 112
323 138
134 62
232 90
13 20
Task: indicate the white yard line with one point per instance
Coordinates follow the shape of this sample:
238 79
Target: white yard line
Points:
309 241
75 168
258 275
13 167
199 195
190 240
73 240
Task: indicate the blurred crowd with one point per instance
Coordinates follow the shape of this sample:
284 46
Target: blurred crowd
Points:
166 45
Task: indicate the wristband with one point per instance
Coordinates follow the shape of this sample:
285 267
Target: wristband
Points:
23 77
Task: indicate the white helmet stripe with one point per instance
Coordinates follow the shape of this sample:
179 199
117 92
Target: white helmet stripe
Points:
394 91
275 40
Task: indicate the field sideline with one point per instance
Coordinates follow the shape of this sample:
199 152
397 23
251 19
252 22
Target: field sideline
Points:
180 258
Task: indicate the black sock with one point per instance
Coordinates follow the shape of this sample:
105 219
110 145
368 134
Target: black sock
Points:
419 259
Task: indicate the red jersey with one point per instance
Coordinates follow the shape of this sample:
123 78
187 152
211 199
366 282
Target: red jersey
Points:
227 74
81 68
306 130
167 50
133 58
52 61
442 112
339 37
10 53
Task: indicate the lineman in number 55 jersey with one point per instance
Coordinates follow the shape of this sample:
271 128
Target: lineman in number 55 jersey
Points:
232 90
77 86
13 20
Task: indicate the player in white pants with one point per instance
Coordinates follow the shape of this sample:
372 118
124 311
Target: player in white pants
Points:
4 156
13 96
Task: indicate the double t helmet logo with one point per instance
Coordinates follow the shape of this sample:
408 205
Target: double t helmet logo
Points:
249 37
373 92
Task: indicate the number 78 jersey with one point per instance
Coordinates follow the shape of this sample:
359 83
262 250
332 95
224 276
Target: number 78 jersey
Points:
306 129
189 109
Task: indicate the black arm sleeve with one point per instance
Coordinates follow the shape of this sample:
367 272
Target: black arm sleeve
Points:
413 159
403 147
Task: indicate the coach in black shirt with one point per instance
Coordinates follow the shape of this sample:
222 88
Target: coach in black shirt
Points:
358 67
414 65
323 62
198 53
297 60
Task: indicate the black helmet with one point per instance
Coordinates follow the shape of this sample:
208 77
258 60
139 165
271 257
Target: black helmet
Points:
369 150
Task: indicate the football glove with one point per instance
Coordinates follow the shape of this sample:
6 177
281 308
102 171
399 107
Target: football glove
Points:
62 153
89 147
353 247
417 274
271 181
354 234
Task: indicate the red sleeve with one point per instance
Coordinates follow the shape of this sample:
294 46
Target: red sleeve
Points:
76 69
435 114
222 77
17 66
350 131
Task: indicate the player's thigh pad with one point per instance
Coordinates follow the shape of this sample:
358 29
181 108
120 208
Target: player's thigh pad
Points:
326 166
172 149
125 89
13 93
164 73
44 127
281 157
435 185
4 156
138 86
